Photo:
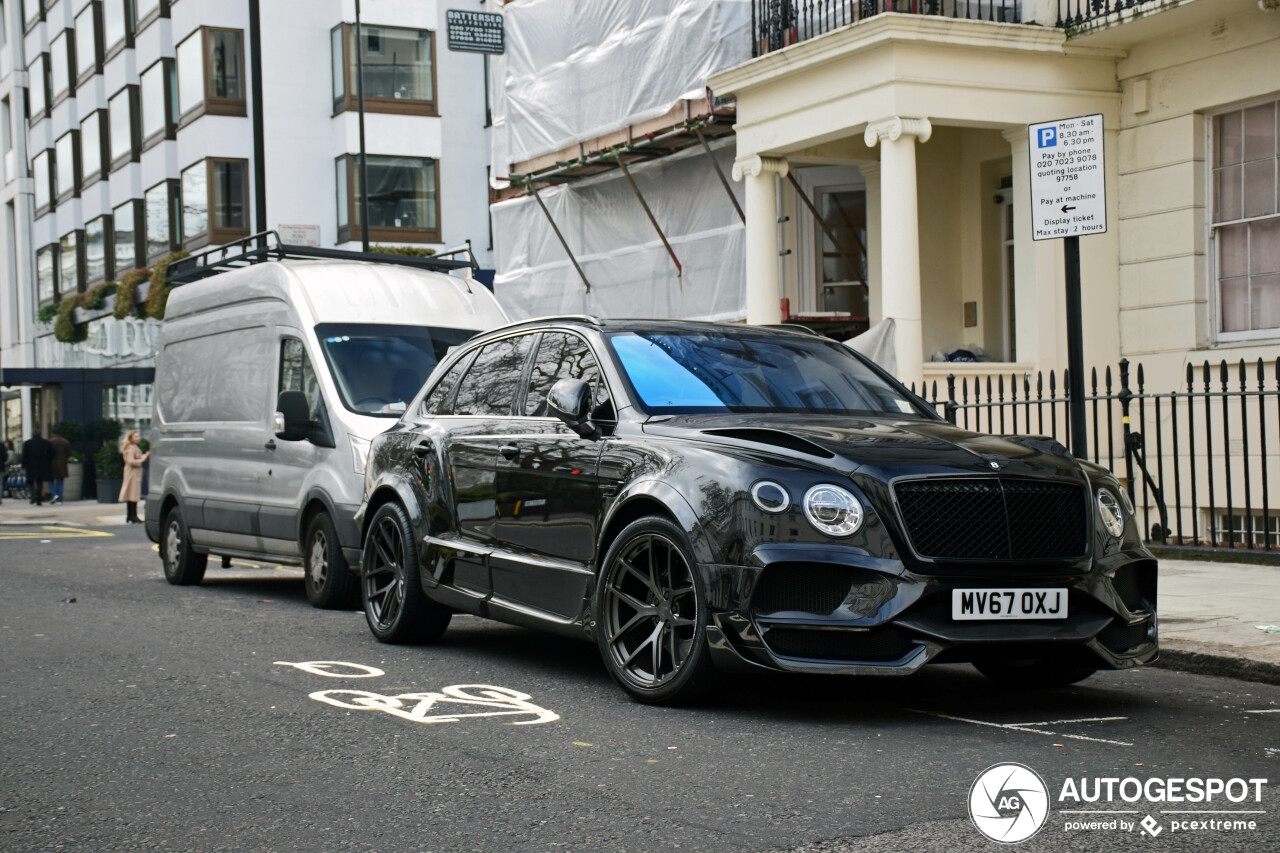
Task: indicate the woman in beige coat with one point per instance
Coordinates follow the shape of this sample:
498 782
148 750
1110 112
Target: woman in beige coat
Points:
131 487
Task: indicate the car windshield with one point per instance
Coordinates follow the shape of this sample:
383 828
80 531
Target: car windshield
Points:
379 368
682 373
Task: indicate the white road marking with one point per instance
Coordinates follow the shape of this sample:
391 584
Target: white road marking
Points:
1265 711
326 668
1032 727
510 703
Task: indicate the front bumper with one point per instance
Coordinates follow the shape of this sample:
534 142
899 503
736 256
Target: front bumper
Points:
824 611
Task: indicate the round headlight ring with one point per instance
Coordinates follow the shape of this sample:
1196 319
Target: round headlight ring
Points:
771 497
1111 513
833 510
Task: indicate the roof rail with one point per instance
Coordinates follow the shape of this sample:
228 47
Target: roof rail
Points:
586 318
267 246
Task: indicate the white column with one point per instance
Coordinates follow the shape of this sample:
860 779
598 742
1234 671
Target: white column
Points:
1037 297
871 177
900 238
763 294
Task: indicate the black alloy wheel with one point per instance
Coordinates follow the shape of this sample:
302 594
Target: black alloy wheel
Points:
182 565
330 584
1033 672
651 619
394 605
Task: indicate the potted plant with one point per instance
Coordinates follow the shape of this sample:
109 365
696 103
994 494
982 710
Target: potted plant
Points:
108 462
73 485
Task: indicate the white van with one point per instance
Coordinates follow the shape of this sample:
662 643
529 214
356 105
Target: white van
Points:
271 380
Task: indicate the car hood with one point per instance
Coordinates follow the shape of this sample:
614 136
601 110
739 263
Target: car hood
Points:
885 446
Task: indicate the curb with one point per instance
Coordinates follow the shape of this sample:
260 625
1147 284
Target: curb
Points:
1225 666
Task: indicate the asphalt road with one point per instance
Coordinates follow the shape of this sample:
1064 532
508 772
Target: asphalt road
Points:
148 717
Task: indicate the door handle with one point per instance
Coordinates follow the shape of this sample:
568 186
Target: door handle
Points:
509 451
271 445
422 448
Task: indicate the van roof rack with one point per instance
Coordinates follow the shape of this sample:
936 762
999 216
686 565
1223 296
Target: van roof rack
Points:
267 246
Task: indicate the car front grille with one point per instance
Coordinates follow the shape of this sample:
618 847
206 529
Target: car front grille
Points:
987 518
816 588
879 645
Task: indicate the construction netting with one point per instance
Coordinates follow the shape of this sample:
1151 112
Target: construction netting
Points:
576 69
630 271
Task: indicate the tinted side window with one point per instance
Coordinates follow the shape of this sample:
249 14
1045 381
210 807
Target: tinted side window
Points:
560 356
296 374
437 402
490 386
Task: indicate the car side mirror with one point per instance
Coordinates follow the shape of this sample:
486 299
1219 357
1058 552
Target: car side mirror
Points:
570 401
292 421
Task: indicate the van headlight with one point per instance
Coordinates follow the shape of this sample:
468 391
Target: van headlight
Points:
360 452
833 510
1111 513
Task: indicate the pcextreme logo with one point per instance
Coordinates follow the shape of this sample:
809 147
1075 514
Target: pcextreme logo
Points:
1010 803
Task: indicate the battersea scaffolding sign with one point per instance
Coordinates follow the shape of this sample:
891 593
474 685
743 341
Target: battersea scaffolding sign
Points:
476 32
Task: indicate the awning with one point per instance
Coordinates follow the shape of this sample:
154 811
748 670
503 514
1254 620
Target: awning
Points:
77 375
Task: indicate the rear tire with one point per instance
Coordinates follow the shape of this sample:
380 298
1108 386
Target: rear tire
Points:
330 584
651 615
182 565
390 584
1034 672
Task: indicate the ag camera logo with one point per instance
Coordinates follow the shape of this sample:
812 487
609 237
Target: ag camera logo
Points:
1008 803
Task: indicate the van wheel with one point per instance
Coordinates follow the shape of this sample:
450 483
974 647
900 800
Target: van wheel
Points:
182 565
330 584
394 605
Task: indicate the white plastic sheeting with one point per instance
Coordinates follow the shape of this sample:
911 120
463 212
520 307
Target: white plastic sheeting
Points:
630 272
577 69
876 344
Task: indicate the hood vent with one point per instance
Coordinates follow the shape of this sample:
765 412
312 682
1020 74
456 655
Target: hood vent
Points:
775 438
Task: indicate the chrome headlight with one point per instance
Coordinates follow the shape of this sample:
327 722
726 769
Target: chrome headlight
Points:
359 452
1111 512
833 510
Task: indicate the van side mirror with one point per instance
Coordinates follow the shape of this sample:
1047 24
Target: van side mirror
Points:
570 401
292 420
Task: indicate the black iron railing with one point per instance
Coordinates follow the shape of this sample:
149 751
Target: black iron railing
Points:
778 23
1194 460
1075 13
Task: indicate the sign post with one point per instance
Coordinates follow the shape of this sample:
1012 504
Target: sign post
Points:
1069 199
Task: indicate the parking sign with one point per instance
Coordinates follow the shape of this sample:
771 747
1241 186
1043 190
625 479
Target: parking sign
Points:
1068 178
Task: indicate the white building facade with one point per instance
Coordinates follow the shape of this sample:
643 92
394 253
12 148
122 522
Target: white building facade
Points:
129 134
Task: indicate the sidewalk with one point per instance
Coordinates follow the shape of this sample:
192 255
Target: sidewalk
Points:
77 513
1209 612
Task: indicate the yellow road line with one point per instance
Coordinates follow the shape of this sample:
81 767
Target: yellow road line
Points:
54 532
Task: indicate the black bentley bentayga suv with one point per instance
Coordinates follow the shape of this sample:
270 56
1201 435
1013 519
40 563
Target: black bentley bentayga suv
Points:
701 497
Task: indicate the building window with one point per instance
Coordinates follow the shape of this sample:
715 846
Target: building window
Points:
69 263
38 87
399 69
211 74
42 175
94 157
35 13
47 273
215 206
161 204
97 250
148 11
1246 220
117 25
89 42
159 103
62 61
67 160
124 142
126 238
404 205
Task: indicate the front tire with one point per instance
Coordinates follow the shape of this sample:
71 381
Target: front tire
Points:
182 565
330 584
394 605
1034 672
651 615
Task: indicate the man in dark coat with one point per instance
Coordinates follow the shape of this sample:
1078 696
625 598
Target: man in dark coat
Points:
61 455
37 457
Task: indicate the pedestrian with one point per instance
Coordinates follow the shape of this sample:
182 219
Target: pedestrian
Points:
37 458
4 468
61 454
131 488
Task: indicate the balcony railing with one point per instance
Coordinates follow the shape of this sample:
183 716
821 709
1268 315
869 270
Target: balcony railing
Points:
1076 13
778 23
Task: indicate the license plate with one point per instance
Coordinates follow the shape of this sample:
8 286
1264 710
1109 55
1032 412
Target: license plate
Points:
968 604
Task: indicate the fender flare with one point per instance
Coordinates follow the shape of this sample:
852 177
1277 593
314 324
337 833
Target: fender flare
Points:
676 504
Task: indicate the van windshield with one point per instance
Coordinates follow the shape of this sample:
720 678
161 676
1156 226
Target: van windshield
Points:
378 368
